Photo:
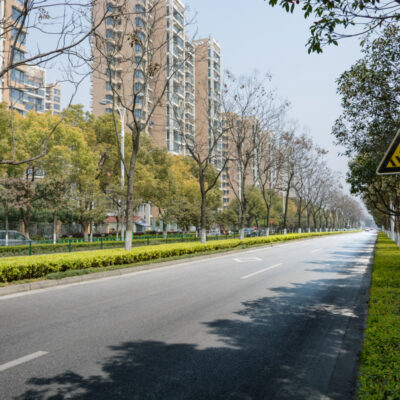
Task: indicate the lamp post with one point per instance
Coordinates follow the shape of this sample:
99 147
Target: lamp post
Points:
121 113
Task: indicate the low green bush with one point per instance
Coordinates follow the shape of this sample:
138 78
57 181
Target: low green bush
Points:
379 371
18 268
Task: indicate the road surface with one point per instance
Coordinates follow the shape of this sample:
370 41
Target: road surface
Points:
282 322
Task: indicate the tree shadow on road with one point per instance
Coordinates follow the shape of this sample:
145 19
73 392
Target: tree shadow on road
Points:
281 346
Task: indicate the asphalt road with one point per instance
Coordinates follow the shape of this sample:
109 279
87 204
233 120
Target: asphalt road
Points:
281 322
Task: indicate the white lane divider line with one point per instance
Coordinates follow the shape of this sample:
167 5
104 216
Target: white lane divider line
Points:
315 251
261 271
22 360
247 259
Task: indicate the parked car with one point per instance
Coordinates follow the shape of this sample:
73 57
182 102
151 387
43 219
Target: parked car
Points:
250 232
15 238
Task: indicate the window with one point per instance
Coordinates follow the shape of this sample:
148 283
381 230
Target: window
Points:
21 36
18 55
17 76
141 36
139 48
56 106
140 23
57 99
15 14
57 91
109 99
110 34
110 21
140 9
17 95
139 74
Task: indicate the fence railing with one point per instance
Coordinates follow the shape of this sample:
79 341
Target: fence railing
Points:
98 243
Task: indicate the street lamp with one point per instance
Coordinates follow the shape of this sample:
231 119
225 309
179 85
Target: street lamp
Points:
122 113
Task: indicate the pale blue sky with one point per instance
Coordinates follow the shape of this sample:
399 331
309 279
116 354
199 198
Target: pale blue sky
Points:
255 36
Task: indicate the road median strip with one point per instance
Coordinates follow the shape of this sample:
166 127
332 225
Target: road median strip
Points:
17 269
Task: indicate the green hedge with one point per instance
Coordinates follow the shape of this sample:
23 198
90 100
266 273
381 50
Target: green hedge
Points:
13 269
379 373
46 248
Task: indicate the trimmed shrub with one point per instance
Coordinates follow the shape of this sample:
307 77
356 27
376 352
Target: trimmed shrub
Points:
13 269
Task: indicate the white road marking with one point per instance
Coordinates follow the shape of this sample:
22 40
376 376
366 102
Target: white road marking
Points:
315 251
22 360
261 271
247 259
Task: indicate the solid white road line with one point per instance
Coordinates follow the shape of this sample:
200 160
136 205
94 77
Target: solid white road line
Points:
261 271
22 360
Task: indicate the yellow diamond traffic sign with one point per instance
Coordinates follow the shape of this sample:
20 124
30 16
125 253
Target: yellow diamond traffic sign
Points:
391 162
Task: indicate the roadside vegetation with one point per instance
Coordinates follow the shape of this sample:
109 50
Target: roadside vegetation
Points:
21 268
379 373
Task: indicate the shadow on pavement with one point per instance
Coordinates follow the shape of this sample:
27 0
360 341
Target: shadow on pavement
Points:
282 346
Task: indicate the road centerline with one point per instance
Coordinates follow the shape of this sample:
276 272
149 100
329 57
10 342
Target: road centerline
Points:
22 360
261 271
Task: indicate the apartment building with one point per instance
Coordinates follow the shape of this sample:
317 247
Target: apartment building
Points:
23 88
153 36
53 98
174 118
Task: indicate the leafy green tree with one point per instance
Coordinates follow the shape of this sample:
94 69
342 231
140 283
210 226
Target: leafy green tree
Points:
371 117
337 19
51 194
15 193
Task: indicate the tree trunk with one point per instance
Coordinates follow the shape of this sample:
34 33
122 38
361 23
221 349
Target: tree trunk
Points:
130 202
85 228
26 219
203 222
286 209
54 228
268 218
91 231
7 227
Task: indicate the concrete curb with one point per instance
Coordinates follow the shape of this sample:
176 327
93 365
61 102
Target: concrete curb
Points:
44 284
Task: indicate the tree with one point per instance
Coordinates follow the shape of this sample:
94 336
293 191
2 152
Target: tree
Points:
51 194
147 74
67 27
337 19
269 162
296 155
250 112
15 193
371 116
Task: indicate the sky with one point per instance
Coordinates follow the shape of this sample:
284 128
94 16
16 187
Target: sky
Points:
255 36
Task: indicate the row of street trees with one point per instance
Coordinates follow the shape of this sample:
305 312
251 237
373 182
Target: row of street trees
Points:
370 94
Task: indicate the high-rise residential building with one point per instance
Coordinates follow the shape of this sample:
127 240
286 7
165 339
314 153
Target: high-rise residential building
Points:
125 48
208 105
120 57
24 87
53 98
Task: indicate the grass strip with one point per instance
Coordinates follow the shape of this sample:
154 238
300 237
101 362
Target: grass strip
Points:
379 370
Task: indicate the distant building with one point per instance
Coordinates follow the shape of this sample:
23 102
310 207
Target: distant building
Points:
24 87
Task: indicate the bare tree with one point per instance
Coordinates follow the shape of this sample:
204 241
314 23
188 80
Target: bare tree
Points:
42 33
250 112
206 150
295 152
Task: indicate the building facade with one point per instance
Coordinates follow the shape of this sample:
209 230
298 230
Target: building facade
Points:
22 88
